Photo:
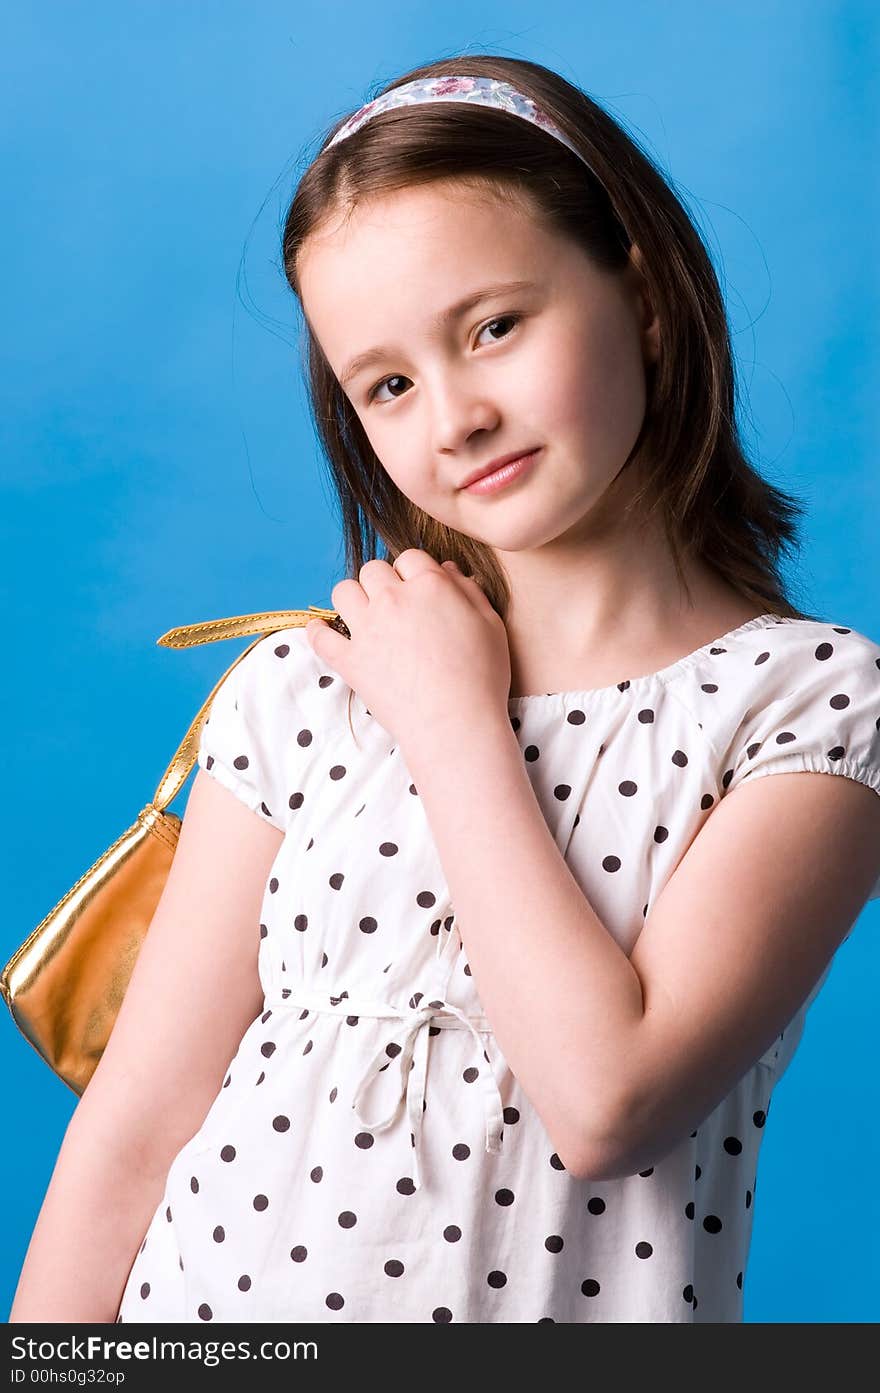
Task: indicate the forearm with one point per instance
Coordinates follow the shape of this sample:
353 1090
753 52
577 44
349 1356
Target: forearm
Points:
562 996
95 1212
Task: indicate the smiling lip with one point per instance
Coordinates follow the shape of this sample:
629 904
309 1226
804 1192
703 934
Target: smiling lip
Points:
497 464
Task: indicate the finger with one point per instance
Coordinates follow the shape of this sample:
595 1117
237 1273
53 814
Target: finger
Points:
351 596
471 587
323 640
454 569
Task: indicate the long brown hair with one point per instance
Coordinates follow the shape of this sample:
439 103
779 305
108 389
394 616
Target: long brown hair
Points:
713 504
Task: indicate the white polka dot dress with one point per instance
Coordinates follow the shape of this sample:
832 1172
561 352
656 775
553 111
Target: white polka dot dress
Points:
369 1155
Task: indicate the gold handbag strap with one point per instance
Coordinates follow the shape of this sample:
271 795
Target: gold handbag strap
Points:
209 631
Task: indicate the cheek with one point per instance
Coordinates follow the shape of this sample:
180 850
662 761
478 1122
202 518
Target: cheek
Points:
399 448
411 482
601 391
386 446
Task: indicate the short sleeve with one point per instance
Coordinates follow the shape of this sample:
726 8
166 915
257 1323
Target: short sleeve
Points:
815 706
256 740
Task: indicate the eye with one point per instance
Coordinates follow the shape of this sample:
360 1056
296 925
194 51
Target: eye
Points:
513 319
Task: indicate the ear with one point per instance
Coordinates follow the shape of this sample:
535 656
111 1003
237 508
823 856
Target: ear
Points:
649 321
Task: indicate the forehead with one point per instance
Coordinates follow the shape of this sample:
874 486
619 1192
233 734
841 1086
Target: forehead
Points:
436 233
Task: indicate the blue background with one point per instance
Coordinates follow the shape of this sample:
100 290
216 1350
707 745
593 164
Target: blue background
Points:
159 467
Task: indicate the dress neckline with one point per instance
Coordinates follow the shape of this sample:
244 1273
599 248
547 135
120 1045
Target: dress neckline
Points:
663 674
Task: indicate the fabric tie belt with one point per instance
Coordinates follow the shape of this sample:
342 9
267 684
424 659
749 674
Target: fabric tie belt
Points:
412 1038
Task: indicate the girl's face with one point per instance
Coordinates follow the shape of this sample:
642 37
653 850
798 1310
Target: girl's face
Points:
557 362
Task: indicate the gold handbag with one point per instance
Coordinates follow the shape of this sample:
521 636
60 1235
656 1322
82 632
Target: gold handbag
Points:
65 984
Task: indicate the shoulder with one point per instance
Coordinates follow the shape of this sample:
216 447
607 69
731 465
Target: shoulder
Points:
281 679
793 693
801 662
270 715
778 659
786 647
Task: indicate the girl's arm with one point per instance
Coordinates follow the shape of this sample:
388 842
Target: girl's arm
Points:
193 993
623 1056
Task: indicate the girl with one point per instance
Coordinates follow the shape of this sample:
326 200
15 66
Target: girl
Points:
529 962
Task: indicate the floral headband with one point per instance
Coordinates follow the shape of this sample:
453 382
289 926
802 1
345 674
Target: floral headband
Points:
480 91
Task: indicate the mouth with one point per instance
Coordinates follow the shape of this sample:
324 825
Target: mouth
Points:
501 472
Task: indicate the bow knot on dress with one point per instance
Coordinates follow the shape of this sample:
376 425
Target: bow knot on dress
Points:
411 1053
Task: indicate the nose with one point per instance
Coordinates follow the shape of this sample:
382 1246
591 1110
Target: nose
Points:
458 409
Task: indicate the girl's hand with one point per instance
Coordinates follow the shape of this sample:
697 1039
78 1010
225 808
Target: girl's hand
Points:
427 650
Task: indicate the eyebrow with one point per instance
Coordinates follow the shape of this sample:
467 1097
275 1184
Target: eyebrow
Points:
372 355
